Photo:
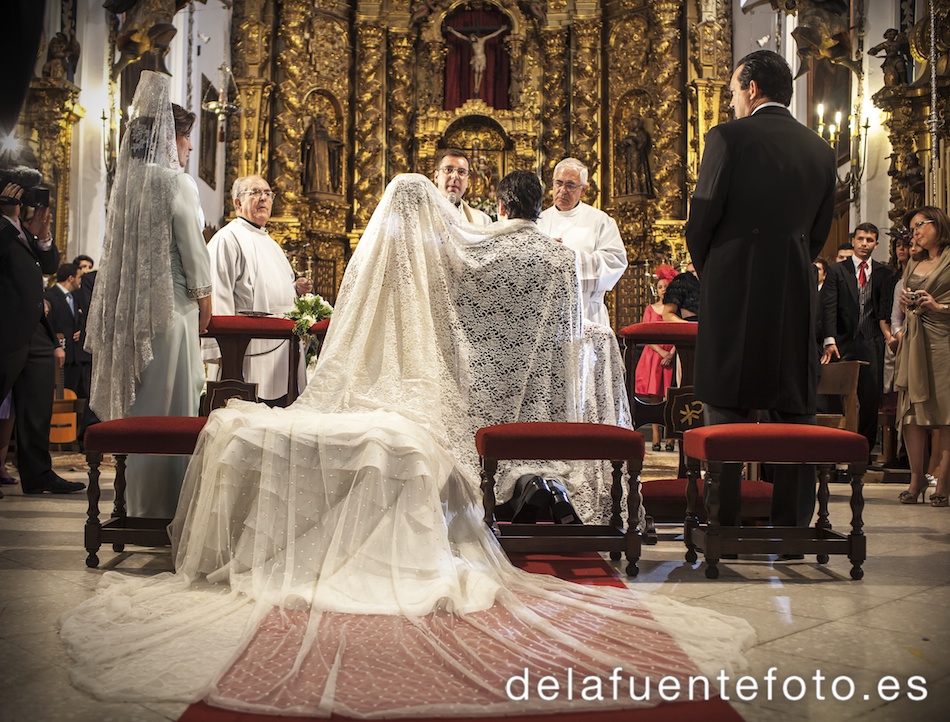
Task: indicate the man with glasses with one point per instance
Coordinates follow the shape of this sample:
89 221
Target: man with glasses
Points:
250 272
451 177
590 233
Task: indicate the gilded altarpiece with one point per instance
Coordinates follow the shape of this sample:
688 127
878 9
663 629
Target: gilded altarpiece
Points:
339 97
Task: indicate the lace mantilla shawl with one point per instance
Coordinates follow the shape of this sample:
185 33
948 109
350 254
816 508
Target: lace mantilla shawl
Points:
134 299
451 325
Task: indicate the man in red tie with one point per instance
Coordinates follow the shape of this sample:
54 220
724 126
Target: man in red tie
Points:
851 308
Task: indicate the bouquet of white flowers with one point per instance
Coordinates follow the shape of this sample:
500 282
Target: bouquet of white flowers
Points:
308 309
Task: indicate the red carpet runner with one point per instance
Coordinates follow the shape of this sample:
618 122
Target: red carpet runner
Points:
587 568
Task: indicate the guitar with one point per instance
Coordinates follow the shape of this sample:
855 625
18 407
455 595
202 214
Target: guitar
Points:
63 423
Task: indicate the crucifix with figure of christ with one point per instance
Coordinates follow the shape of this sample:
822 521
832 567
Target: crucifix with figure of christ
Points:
479 60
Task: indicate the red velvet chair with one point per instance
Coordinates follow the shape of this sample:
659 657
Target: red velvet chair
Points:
712 446
172 435
567 441
665 499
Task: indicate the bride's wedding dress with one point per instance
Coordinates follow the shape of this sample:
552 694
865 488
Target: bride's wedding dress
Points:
331 557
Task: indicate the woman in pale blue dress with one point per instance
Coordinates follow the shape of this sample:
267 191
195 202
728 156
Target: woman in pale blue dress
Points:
153 292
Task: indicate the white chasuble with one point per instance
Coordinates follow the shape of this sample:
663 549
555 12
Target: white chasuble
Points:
250 272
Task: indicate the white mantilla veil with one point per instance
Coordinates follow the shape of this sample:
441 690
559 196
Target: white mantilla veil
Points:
331 557
133 300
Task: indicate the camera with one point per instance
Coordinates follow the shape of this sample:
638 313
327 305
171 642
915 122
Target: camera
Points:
29 180
35 197
911 299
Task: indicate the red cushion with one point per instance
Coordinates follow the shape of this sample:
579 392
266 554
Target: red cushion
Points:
250 326
780 443
675 489
146 435
660 332
665 501
559 440
320 328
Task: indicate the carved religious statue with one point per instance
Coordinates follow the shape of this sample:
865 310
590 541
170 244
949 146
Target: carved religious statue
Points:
823 31
635 147
479 59
896 51
321 156
910 181
62 53
147 27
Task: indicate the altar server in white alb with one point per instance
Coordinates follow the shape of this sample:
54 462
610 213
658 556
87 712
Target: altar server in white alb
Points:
250 272
590 233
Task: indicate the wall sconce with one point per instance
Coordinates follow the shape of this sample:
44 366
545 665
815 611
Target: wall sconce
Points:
221 106
858 147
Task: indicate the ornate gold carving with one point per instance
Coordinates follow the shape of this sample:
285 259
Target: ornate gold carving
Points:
667 81
555 111
248 149
50 112
368 153
585 113
400 102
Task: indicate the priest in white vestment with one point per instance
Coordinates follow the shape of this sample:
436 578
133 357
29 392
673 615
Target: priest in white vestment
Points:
250 272
451 177
590 233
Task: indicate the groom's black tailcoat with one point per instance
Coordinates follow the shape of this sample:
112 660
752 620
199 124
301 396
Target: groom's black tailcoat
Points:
760 215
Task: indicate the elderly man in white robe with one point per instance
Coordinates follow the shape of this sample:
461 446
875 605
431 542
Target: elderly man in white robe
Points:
250 272
590 233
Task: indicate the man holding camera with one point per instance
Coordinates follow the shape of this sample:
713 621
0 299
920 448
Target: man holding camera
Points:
29 351
850 310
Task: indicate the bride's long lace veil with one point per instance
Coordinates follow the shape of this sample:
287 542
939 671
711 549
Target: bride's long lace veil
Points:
133 300
361 579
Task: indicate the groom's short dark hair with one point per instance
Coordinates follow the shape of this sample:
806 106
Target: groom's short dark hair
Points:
521 193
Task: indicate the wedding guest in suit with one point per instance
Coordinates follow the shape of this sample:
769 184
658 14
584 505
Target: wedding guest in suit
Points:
87 281
66 319
844 251
759 217
84 296
822 267
851 300
29 353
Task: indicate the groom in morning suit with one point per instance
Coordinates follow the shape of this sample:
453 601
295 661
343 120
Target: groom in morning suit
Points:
759 216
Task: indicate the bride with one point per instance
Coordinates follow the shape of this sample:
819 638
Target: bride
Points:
331 557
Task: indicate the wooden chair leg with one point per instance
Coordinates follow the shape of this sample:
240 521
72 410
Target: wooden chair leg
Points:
92 535
713 539
634 500
121 483
857 542
824 476
692 514
489 467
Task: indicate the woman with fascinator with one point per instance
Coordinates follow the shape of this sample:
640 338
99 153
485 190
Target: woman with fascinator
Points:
153 290
654 372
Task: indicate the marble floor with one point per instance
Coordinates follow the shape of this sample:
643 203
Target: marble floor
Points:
822 632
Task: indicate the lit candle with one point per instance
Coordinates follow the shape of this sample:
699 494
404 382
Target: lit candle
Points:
821 113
